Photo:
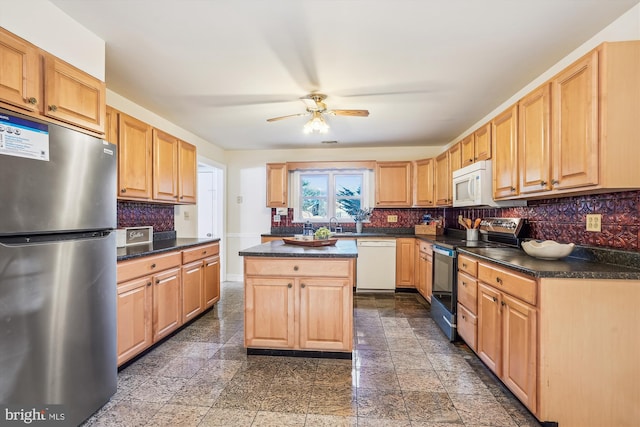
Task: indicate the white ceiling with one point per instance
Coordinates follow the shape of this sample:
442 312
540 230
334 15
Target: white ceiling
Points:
425 69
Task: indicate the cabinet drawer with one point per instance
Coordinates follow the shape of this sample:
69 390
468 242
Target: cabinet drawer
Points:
468 292
199 252
468 265
128 270
258 266
467 326
506 281
426 248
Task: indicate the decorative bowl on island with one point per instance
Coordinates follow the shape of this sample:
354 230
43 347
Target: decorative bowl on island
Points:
547 249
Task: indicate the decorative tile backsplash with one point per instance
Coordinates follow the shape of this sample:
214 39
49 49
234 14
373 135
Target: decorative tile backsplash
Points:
560 219
135 214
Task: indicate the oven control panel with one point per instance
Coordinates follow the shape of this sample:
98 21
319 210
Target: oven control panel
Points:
510 226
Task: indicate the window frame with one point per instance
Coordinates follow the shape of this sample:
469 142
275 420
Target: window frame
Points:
366 196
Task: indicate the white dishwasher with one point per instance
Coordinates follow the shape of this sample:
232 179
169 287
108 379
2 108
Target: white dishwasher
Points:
376 269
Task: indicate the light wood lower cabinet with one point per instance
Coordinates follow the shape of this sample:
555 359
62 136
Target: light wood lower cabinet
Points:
424 269
405 262
157 294
299 304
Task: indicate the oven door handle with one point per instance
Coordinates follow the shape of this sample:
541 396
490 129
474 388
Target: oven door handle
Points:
451 325
443 251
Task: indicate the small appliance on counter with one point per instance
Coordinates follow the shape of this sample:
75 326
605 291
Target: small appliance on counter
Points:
131 236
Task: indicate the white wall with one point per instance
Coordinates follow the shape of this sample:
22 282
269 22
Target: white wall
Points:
246 179
43 24
626 27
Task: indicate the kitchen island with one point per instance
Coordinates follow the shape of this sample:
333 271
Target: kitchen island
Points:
299 300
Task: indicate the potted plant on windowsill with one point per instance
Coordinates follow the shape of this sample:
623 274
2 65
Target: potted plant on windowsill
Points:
359 216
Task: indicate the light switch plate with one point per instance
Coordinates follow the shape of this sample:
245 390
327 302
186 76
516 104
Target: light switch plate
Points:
276 218
281 211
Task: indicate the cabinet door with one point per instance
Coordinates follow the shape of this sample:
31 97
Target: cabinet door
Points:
20 76
134 318
165 166
467 147
534 151
489 345
192 297
429 278
187 173
505 156
419 270
519 367
211 281
455 158
326 309
443 180
423 183
72 95
467 324
134 158
575 124
166 303
393 184
404 262
482 146
269 312
277 185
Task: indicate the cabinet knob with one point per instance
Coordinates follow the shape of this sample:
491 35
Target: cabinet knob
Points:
464 265
494 299
502 303
176 196
303 285
513 188
148 283
499 280
124 190
543 183
289 285
554 182
464 283
32 101
204 252
157 281
181 197
295 268
53 108
153 266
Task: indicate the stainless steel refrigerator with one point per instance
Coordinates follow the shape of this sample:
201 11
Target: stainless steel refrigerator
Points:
57 269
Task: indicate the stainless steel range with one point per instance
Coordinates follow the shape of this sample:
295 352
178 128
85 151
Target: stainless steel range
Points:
494 232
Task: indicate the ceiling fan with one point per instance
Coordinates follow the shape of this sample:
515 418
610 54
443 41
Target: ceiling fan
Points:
317 109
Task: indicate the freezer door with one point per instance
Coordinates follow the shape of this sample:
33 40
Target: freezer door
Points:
58 317
74 190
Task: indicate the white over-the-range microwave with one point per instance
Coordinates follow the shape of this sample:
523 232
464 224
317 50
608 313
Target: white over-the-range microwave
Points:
473 186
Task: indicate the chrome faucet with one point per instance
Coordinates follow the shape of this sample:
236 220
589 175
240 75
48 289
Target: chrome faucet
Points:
337 228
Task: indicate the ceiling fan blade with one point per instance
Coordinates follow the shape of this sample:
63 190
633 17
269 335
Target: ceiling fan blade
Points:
275 119
355 113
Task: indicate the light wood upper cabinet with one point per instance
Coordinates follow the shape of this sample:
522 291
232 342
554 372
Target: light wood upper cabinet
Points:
111 125
20 76
468 149
534 150
575 124
43 86
73 96
455 157
505 154
393 184
134 158
443 180
187 173
482 143
165 166
277 185
423 183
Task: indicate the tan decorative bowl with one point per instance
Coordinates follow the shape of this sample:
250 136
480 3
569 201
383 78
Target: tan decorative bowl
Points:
547 249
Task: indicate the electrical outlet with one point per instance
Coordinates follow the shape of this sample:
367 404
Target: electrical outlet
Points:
392 218
594 222
276 218
239 200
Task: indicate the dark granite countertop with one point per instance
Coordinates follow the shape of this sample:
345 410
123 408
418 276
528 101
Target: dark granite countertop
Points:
347 235
569 268
160 246
279 249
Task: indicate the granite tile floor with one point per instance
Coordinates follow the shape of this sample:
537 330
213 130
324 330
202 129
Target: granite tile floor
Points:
404 373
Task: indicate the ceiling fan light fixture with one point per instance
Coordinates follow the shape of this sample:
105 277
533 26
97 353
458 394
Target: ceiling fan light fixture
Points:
316 124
